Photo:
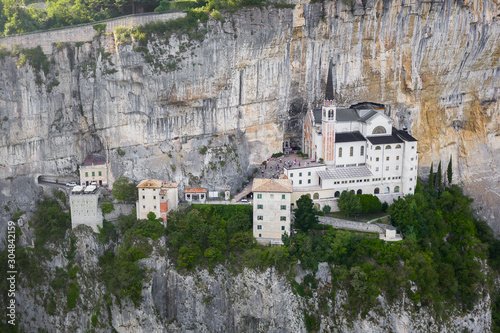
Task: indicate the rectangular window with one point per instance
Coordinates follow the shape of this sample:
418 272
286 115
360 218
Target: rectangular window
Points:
272 196
386 168
86 174
100 173
259 217
154 207
283 207
260 206
259 227
377 159
144 197
282 218
282 227
387 158
259 196
283 196
397 167
376 169
300 174
412 158
397 158
300 181
154 197
93 173
291 175
309 181
309 173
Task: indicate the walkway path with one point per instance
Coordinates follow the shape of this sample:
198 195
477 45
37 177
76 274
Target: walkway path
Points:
378 218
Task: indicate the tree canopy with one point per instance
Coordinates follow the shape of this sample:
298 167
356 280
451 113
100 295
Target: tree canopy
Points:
124 189
349 203
305 217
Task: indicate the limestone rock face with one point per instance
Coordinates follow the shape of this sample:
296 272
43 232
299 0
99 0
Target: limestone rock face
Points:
243 87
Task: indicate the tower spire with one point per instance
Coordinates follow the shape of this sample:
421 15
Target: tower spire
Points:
329 84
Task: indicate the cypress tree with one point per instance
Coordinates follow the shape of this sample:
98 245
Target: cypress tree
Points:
431 178
439 177
449 172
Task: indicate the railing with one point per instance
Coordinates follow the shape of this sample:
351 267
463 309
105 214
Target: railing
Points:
90 23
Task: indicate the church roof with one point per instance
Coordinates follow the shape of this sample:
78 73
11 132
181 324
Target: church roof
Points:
272 185
349 137
318 114
384 139
347 115
404 135
342 173
368 115
368 106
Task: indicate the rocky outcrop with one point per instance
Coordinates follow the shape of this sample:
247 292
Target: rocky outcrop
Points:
241 89
217 301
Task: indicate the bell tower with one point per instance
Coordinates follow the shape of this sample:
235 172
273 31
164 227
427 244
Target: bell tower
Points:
328 121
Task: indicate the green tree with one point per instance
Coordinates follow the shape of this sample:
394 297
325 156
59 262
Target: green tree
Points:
439 179
327 209
305 219
431 178
124 190
370 203
349 203
449 172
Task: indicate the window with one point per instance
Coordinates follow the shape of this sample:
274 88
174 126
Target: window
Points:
387 158
412 158
282 227
411 169
260 217
162 198
283 196
154 197
378 148
144 207
259 227
379 130
337 194
272 196
388 147
377 159
359 191
300 174
100 173
387 190
412 147
93 173
144 197
376 169
283 207
376 191
260 206
351 151
260 235
362 151
386 168
397 167
410 188
309 181
340 152
316 196
291 175
411 179
154 207
397 158
259 196
300 182
396 189
309 173
282 218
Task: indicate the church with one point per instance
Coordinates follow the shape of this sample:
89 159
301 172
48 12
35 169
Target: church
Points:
353 149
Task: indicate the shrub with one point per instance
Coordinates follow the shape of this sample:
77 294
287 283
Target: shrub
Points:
73 293
369 203
124 189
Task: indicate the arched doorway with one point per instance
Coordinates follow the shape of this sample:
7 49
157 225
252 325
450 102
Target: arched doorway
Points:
337 194
359 192
376 191
316 196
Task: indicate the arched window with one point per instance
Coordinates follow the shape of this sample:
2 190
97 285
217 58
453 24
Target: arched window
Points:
316 196
330 115
379 130
398 146
316 206
396 189
359 192
309 195
340 152
351 151
376 191
362 151
387 190
377 148
337 194
388 147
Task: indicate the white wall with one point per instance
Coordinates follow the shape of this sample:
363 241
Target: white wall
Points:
378 120
346 158
149 201
271 212
85 210
307 176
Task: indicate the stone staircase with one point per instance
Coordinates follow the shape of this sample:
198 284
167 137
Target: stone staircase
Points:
243 193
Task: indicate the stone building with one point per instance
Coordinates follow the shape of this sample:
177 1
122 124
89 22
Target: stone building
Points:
94 169
84 203
156 196
195 195
271 209
359 150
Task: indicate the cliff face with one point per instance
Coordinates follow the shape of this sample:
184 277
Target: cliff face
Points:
243 88
218 301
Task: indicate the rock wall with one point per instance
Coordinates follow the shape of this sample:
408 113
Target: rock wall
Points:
217 301
243 87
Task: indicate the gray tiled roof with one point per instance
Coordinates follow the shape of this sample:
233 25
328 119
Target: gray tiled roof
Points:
349 137
317 115
342 173
347 115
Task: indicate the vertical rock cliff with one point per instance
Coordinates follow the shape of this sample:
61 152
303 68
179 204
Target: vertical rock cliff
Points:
241 89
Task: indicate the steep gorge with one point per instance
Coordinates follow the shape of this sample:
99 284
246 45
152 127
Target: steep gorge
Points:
241 89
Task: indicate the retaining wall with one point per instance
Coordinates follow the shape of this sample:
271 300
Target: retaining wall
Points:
350 225
82 32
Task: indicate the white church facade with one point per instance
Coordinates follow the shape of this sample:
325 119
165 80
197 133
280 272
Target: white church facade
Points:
354 149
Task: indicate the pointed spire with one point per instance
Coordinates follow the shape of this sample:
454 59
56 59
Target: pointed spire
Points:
329 84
